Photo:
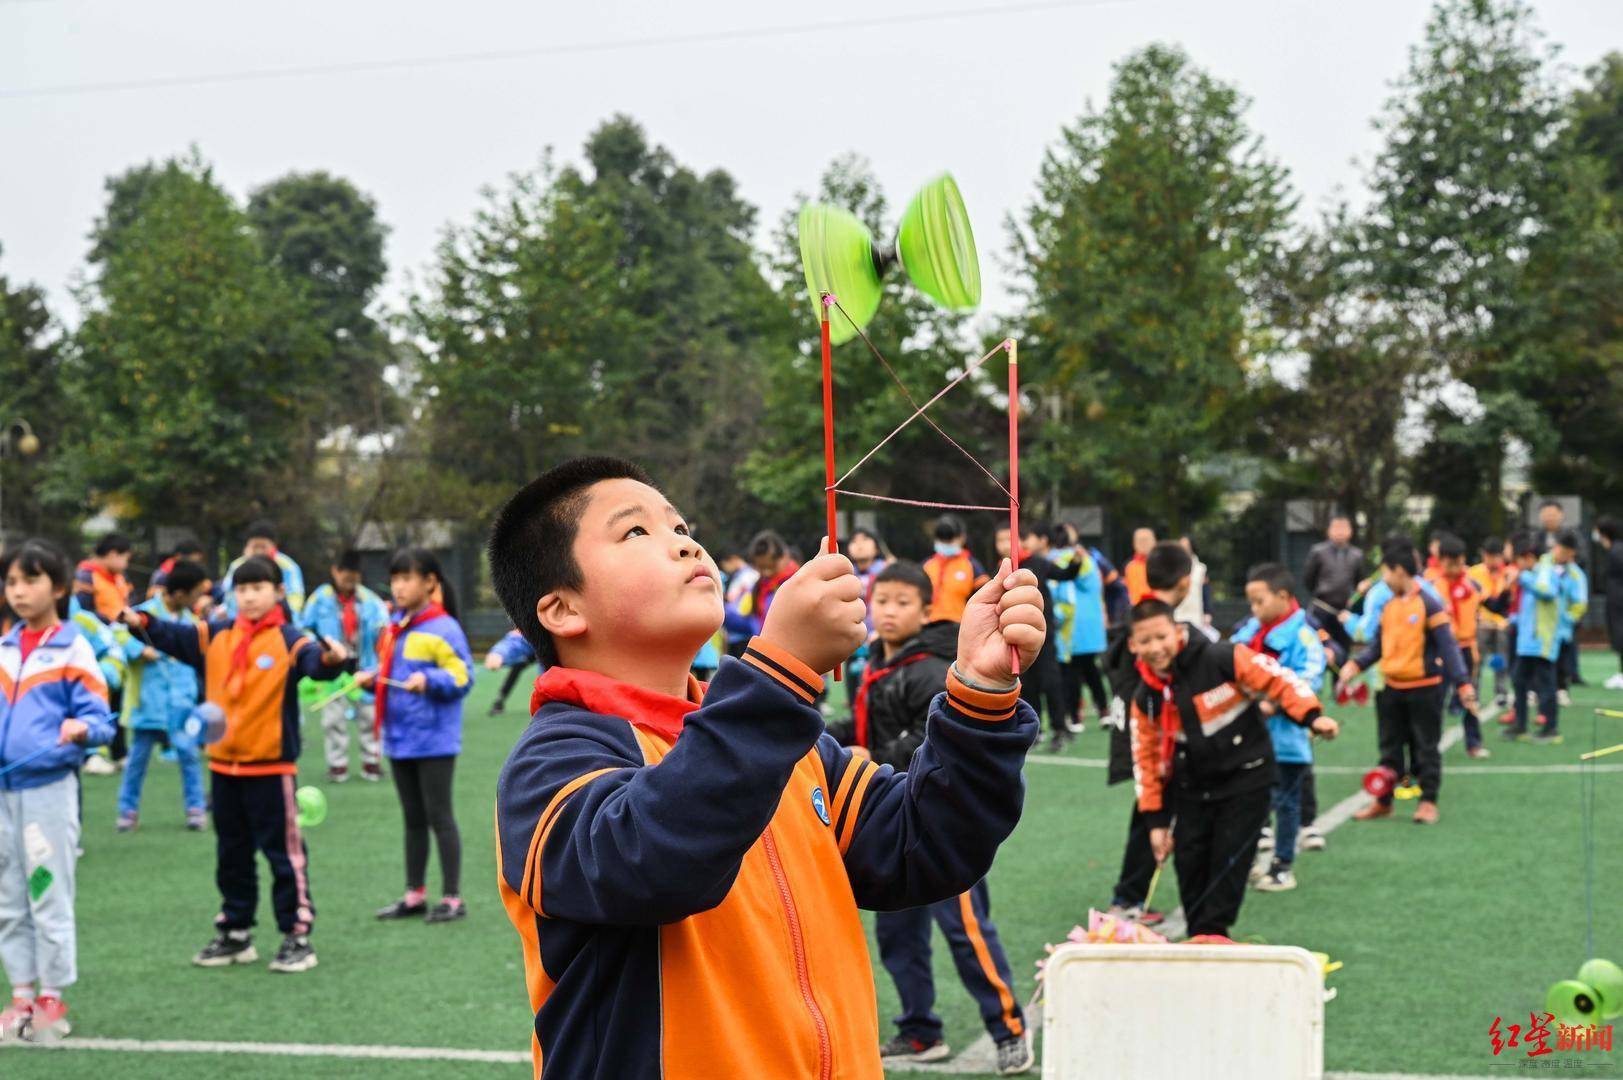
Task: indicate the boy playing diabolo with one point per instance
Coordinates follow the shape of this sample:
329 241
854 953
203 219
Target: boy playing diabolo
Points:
683 863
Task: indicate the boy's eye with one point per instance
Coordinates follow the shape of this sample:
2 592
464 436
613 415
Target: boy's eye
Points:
681 530
635 530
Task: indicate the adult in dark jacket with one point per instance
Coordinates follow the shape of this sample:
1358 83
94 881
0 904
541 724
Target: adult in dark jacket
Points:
892 706
1331 574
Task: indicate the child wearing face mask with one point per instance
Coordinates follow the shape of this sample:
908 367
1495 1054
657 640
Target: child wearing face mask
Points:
954 573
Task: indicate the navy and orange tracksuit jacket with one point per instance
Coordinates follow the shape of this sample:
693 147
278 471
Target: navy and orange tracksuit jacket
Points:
1416 646
262 720
685 876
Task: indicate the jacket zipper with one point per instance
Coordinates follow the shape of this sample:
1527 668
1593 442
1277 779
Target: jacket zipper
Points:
825 1056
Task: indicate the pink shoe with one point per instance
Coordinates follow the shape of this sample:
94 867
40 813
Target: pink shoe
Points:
15 1020
50 1020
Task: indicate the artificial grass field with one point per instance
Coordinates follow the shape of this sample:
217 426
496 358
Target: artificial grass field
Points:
1441 929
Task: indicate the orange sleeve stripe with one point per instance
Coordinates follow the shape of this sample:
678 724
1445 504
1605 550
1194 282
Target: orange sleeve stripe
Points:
983 955
532 863
980 704
848 828
92 680
1442 618
848 784
795 676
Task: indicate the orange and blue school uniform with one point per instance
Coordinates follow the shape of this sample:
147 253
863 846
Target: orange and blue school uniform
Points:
685 873
100 590
953 580
251 671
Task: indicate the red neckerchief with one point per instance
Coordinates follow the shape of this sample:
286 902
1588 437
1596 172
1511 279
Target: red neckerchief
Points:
656 713
1168 719
29 640
386 643
348 617
1459 591
1259 639
247 629
166 566
859 708
767 586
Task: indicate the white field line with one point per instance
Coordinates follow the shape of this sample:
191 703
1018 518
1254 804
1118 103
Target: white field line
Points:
337 1050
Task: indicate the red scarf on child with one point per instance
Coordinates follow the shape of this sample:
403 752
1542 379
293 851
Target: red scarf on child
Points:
386 643
659 714
348 618
1167 720
247 629
871 675
1258 640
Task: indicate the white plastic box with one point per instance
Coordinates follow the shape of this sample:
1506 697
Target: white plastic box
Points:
1183 1012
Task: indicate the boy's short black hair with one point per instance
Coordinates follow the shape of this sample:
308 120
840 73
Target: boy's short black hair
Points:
1274 575
950 527
184 576
1527 543
256 569
1450 546
1568 538
1493 545
1167 564
34 557
1035 528
262 530
1151 607
532 543
767 544
1059 534
189 548
1547 503
1608 527
113 543
348 559
907 572
1401 557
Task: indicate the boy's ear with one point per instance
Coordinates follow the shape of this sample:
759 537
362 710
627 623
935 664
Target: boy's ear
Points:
281 592
560 614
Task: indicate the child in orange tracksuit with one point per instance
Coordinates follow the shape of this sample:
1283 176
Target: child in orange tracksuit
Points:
250 667
1463 595
684 864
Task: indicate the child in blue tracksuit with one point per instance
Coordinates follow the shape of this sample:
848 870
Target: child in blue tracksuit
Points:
1547 593
424 671
161 692
54 704
1280 627
345 610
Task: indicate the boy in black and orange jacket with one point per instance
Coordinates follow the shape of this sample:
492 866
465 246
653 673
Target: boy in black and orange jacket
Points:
250 667
1417 652
684 864
1203 761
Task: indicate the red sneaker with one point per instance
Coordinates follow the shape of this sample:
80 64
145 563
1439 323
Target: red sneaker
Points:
50 1020
1211 939
1361 693
14 1021
1508 717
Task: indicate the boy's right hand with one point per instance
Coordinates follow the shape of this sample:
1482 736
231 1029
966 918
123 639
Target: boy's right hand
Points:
1161 844
493 662
818 616
130 617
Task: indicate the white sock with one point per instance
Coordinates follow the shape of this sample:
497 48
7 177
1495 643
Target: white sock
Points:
50 992
24 993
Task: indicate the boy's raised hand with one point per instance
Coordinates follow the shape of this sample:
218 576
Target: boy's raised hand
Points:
1007 611
818 616
1325 728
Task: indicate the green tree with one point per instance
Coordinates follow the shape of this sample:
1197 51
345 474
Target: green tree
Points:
1463 190
923 344
198 370
31 392
617 308
323 234
1156 221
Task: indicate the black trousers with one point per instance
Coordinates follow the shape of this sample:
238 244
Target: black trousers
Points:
1213 843
1410 722
1084 668
1042 689
424 787
1310 799
508 683
1137 864
258 814
1537 676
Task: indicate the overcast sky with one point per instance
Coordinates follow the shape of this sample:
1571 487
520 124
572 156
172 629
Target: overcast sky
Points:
982 93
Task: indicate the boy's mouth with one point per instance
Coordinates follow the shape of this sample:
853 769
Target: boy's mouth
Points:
701 572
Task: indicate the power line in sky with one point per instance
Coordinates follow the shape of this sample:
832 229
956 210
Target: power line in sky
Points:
707 37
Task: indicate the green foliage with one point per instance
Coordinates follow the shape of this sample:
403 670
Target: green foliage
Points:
31 392
1157 220
198 373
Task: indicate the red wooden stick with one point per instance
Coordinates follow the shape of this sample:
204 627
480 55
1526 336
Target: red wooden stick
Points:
1014 473
828 434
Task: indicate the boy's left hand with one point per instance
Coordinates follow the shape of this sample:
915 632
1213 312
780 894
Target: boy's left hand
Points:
333 652
1007 611
1325 728
72 731
1468 697
415 683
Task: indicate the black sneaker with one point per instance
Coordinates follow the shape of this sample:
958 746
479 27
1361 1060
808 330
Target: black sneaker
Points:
231 947
1278 878
294 955
402 910
496 707
906 1048
1014 1056
446 911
